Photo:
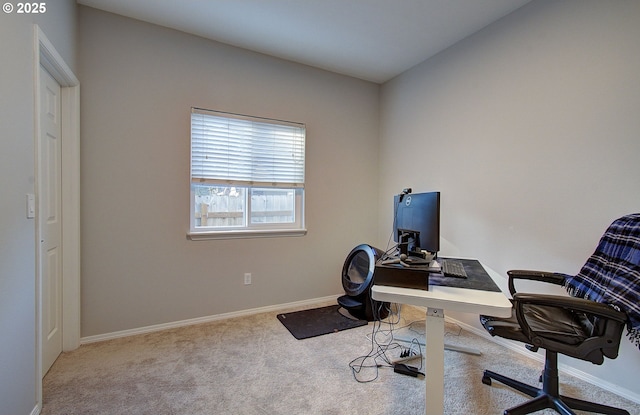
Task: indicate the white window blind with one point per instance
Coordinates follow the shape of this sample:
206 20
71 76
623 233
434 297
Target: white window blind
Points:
241 150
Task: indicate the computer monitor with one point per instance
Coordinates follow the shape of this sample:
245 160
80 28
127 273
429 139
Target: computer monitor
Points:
416 223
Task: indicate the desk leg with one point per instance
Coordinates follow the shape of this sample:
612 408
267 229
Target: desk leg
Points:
434 362
462 349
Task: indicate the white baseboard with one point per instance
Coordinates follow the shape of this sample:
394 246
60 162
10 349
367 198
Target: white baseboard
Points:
562 368
206 319
36 410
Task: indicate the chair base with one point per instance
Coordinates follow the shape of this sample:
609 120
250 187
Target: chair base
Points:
547 397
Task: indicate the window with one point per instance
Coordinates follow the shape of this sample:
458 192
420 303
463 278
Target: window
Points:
247 176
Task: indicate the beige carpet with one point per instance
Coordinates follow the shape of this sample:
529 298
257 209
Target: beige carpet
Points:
254 366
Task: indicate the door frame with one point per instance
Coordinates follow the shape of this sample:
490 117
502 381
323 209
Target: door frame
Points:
46 55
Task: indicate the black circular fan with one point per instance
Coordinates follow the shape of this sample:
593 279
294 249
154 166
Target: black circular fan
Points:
357 279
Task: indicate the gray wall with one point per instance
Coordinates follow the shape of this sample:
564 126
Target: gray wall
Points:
18 381
138 84
529 129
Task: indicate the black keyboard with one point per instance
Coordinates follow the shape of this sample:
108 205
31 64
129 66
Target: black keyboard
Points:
453 269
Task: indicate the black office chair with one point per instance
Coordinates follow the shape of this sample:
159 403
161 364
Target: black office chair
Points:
587 325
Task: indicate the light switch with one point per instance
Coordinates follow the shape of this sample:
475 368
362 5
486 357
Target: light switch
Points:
31 206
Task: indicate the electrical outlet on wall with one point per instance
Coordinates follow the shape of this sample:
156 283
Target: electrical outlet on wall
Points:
247 278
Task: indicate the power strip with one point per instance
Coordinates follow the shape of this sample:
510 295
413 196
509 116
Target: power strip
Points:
405 358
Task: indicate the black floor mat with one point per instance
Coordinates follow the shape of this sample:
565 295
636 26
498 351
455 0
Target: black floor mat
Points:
317 321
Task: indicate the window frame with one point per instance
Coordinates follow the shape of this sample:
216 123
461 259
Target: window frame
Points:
249 229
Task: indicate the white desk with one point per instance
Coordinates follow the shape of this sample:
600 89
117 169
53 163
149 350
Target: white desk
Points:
437 299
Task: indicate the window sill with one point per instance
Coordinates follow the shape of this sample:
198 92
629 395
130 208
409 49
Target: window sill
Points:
243 234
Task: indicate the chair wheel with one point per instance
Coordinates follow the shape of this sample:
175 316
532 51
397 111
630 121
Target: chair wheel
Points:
486 380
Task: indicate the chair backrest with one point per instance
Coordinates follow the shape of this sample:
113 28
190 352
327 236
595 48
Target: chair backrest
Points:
612 274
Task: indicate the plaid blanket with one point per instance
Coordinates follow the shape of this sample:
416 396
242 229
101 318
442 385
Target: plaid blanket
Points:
612 274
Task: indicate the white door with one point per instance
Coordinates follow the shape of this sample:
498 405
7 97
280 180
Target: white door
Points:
49 218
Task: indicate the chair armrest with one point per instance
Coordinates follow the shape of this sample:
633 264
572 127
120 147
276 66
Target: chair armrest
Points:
605 343
571 303
542 276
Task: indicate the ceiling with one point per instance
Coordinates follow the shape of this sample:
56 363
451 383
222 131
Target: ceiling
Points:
374 40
